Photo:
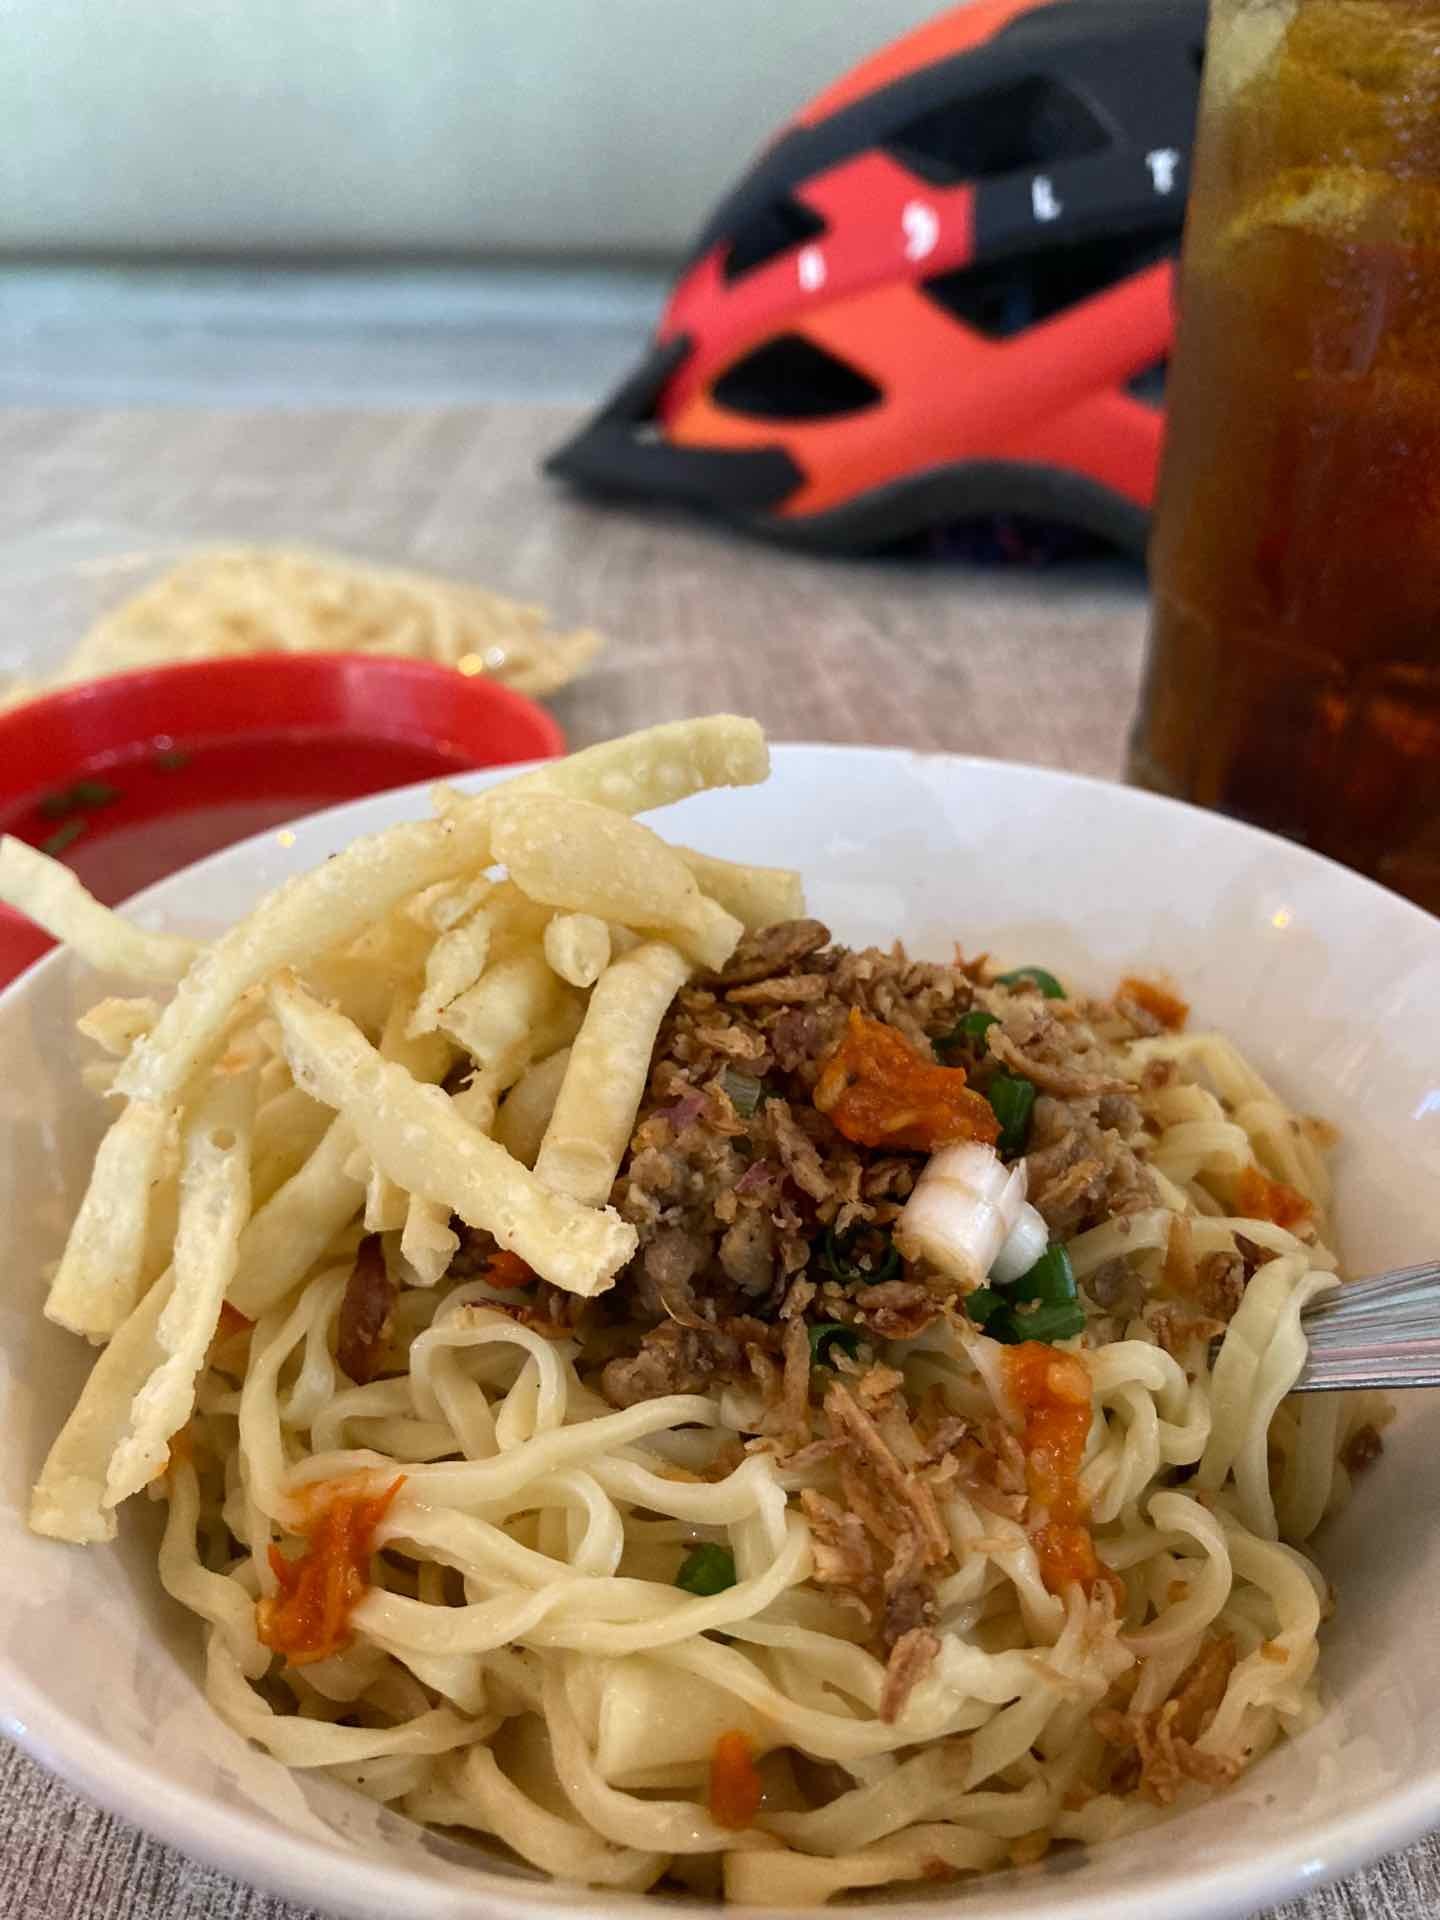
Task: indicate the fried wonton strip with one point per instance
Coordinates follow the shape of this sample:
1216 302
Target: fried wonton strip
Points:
117 1024
600 1095
308 915
295 1226
98 1280
501 923
577 946
427 1241
437 909
214 1206
319 911
49 894
653 768
455 963
528 1106
495 1022
160 1227
426 1056
288 1128
587 859
362 987
68 1501
757 896
417 1137
477 1101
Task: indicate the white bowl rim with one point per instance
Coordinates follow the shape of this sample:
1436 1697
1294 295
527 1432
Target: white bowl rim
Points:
360 1885
482 777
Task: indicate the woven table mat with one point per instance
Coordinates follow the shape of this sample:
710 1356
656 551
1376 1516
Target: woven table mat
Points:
1041 666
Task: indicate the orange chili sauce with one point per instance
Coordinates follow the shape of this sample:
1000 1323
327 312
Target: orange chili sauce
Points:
1053 1390
1167 1008
308 1618
879 1092
1259 1197
735 1788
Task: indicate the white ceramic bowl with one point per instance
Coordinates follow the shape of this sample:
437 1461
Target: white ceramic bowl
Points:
1330 984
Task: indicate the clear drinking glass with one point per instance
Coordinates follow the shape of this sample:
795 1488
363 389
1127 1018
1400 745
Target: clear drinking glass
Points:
1294 669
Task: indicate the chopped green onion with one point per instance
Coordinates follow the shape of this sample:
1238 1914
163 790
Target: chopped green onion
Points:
840 1249
1050 1282
1037 977
1000 1322
828 1335
1014 1101
1001 1326
983 1304
706 1569
1042 1304
1049 1323
84 793
970 1028
62 838
745 1092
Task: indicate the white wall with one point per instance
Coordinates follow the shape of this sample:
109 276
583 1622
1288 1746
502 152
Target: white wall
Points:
493 126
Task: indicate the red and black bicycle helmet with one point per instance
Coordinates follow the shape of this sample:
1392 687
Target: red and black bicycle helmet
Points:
944 291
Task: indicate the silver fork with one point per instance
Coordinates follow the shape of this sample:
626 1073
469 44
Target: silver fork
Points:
1380 1332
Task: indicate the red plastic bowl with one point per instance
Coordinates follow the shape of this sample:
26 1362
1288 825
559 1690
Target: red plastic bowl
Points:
130 778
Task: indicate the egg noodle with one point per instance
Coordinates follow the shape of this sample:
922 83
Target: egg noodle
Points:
238 600
445 1032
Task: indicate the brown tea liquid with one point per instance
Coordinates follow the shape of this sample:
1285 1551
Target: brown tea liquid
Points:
1294 672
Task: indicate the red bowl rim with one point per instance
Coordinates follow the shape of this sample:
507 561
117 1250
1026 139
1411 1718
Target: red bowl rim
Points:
123 709
48 741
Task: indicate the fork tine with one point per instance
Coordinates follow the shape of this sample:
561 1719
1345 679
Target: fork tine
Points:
1330 1373
1379 1332
1411 1362
1414 1299
1383 1293
1425 1273
1423 1313
1383 1331
1391 1299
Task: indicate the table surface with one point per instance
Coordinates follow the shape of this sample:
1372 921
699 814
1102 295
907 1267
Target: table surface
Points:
1024 665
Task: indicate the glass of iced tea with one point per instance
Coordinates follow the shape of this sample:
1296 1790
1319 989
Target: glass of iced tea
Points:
1294 670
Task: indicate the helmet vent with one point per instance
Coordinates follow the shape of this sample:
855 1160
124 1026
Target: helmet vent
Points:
1031 123
790 378
1149 384
1004 298
771 231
